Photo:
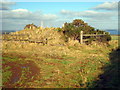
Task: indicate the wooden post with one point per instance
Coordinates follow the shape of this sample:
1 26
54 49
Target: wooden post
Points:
104 33
81 37
30 27
68 39
63 25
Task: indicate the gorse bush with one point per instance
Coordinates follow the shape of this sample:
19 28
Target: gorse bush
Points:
72 30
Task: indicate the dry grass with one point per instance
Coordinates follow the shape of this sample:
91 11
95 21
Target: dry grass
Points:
115 37
61 66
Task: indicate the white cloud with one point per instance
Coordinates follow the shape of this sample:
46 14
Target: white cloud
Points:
20 10
6 2
49 16
5 5
107 6
66 11
89 14
27 15
100 20
18 18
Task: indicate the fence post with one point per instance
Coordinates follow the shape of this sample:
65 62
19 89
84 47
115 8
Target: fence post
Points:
81 37
104 33
68 39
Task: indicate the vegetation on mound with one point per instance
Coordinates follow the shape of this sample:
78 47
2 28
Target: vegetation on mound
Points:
60 67
59 36
43 36
72 30
58 64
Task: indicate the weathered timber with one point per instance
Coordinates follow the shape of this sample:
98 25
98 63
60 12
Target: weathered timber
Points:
81 37
93 34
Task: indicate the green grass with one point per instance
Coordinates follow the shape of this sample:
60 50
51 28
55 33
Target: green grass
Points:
6 74
110 77
66 62
9 59
79 67
65 66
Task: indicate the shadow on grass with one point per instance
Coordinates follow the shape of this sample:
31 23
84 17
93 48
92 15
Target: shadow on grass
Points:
110 78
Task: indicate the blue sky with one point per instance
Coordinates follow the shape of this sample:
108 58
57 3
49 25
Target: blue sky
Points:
101 15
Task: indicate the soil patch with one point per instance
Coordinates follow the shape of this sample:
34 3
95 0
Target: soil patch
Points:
30 70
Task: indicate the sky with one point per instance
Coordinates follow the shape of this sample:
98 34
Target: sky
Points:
15 15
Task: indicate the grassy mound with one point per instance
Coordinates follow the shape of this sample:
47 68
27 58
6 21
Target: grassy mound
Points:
58 66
